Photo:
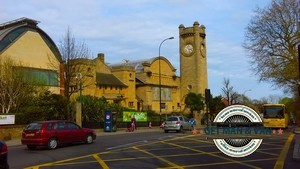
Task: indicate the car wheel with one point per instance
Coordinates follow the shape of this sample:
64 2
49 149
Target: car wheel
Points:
52 143
180 130
89 139
166 131
31 147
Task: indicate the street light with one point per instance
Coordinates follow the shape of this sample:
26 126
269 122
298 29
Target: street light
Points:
160 73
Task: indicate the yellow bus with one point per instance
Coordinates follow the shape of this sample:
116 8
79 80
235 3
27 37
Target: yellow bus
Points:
275 116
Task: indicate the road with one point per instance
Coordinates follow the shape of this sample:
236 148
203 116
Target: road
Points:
151 149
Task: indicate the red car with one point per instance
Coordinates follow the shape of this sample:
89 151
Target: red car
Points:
54 133
3 156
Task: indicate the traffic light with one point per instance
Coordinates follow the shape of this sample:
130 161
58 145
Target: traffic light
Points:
207 96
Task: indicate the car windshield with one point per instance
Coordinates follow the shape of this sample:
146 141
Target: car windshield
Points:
34 126
273 112
172 119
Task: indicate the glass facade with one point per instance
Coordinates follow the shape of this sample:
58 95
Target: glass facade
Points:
39 76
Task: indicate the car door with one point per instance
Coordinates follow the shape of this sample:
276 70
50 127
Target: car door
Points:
76 132
62 132
186 125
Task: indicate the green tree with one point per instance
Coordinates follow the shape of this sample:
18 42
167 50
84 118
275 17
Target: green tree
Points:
54 105
93 108
43 106
290 107
271 39
216 105
194 101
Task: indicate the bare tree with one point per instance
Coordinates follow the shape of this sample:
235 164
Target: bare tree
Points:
14 89
271 39
72 52
230 95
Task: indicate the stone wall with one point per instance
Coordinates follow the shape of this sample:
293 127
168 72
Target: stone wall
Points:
10 132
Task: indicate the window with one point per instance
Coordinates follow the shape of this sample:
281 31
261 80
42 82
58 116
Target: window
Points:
38 76
60 125
72 126
130 104
34 126
12 36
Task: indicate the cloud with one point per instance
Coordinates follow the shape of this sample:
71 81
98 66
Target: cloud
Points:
134 29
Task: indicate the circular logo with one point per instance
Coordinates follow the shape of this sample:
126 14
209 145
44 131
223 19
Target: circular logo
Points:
237 147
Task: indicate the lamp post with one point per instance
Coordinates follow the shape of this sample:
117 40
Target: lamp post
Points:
159 73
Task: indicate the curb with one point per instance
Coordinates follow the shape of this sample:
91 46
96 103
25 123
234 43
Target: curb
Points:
99 132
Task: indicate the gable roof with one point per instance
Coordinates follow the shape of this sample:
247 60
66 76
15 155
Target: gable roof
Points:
12 30
105 79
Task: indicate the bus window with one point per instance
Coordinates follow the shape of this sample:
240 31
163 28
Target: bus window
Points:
273 112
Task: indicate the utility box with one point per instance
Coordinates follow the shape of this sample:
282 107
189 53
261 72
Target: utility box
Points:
110 121
107 121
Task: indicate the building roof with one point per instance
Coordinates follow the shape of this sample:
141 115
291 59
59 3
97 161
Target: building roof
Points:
139 64
12 30
106 79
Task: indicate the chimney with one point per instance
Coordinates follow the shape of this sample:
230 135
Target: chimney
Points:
101 57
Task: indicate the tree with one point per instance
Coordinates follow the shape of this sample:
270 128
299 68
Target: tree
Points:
229 94
271 39
216 105
71 50
194 101
14 89
93 108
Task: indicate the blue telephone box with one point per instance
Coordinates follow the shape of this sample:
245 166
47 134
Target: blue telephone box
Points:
108 121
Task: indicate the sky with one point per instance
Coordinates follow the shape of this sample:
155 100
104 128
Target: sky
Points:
133 30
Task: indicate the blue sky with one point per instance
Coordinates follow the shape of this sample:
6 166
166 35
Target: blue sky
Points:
133 30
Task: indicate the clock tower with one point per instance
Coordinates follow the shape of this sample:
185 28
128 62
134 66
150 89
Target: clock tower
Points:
193 62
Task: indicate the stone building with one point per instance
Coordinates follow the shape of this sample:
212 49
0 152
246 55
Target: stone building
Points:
134 84
24 42
138 84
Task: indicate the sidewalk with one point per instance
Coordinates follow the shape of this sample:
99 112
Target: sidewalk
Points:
99 132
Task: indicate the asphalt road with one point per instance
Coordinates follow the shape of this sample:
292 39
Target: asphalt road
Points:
151 149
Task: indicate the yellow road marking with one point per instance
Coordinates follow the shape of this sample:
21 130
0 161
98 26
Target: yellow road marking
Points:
219 163
280 161
260 151
100 161
209 153
158 157
61 162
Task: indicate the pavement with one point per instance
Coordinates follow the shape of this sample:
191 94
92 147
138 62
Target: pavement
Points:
296 151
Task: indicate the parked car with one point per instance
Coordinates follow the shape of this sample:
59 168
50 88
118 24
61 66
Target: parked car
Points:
54 133
177 123
3 156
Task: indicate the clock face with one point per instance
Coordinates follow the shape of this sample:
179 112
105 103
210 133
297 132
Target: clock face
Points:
188 49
